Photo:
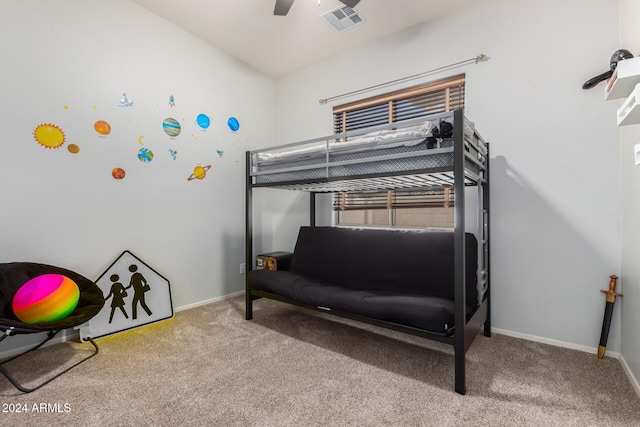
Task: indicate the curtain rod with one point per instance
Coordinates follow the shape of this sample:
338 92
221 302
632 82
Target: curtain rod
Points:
476 59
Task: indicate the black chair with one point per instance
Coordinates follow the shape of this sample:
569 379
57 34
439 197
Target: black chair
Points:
12 276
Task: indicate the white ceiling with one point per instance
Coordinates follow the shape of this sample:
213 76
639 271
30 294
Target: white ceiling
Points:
278 45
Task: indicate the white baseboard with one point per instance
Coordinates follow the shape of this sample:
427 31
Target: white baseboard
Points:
556 343
632 378
209 301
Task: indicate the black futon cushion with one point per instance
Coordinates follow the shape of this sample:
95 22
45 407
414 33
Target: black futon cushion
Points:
403 277
402 261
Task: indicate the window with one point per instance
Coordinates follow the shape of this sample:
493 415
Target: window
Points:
401 208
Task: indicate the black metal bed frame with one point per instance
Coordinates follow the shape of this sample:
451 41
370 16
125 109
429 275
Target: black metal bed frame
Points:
466 170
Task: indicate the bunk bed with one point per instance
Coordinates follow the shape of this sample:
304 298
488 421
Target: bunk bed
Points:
401 155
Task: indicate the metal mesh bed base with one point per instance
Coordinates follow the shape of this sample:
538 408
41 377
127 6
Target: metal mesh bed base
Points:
423 180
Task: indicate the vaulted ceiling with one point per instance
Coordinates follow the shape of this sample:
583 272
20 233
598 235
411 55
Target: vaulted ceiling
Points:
278 45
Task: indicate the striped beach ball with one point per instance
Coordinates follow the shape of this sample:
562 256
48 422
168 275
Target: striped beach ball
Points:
46 298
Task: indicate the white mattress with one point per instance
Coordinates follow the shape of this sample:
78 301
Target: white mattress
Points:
377 152
382 139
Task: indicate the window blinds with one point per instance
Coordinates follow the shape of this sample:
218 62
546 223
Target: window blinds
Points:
398 199
418 101
414 102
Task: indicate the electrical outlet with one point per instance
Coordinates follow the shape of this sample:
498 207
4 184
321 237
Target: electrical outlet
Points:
242 268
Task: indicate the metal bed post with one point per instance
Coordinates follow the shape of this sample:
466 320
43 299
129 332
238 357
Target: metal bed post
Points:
312 208
459 251
487 244
248 239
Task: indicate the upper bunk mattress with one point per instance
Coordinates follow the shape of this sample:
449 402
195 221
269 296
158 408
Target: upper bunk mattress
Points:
377 152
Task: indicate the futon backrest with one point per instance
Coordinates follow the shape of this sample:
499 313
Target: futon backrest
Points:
399 261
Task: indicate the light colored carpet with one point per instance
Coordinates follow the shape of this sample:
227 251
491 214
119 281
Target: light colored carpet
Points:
293 367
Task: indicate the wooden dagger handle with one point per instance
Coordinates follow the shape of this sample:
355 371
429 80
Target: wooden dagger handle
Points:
612 287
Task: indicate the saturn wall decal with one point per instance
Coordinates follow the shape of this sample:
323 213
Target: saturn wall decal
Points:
199 172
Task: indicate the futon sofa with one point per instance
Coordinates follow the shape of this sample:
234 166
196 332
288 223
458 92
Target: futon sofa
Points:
405 277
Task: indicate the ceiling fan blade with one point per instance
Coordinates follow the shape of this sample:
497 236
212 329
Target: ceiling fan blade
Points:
350 3
282 7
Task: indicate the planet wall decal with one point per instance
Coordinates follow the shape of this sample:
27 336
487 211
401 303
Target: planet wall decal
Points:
234 124
145 155
203 121
103 128
118 173
171 127
199 172
73 148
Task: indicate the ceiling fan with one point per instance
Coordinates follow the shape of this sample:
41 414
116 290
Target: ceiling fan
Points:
282 6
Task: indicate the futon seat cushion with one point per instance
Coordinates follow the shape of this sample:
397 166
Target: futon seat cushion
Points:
421 311
404 277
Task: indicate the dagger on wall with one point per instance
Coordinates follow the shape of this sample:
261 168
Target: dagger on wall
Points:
608 312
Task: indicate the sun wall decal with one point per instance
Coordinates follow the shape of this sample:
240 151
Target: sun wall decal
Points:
49 135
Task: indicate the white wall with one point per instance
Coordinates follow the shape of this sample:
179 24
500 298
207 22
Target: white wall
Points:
630 211
555 155
68 63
